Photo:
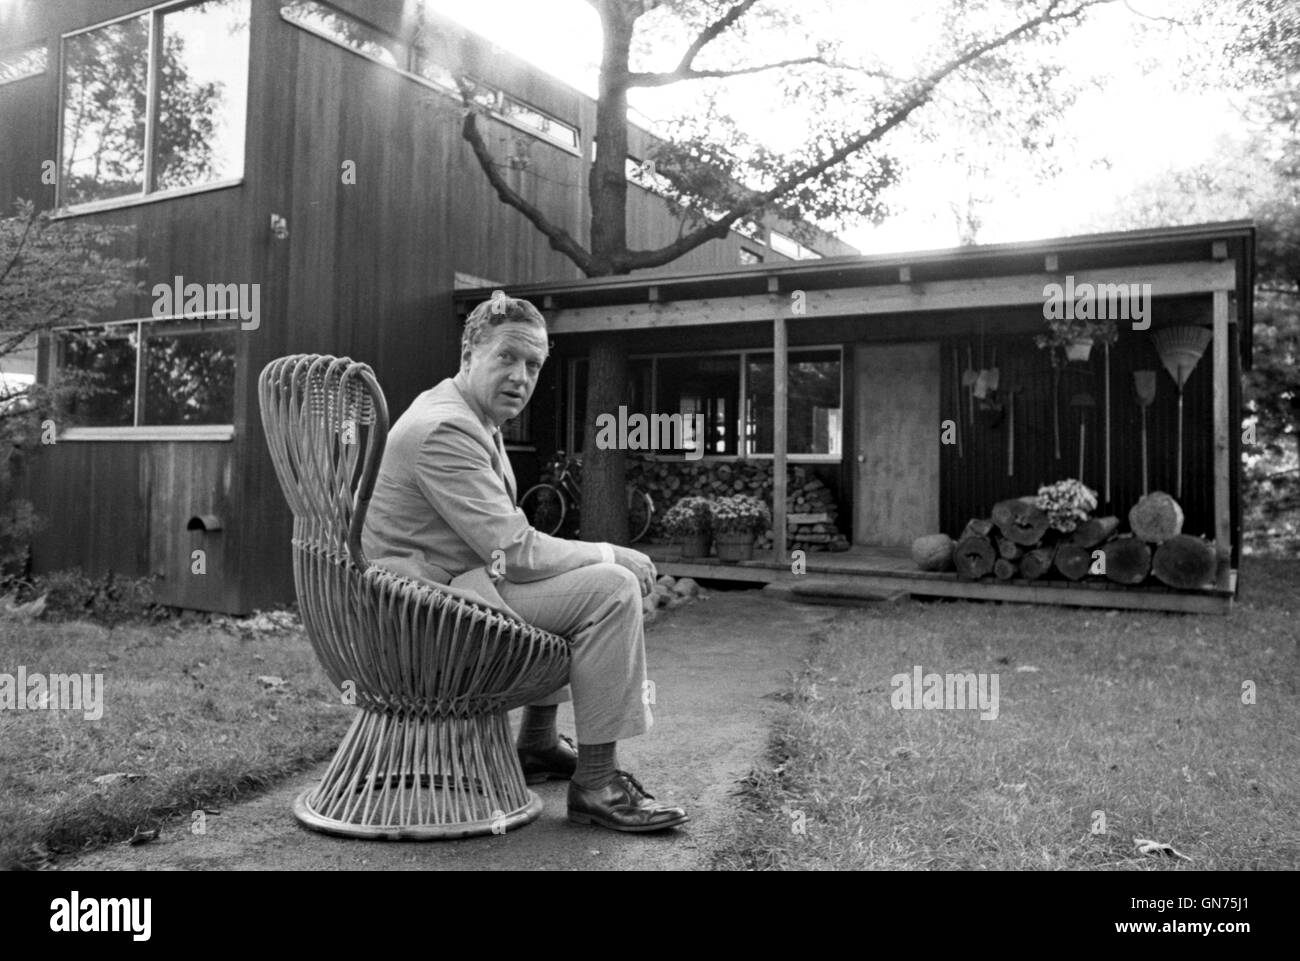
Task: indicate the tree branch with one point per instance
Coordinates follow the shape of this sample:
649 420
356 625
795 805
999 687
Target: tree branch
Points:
924 89
680 74
711 33
560 238
22 241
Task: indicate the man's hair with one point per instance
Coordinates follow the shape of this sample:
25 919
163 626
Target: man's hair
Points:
492 313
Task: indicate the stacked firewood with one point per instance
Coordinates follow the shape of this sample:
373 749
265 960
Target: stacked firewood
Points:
1017 542
811 512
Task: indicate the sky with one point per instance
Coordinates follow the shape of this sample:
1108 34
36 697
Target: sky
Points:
1136 127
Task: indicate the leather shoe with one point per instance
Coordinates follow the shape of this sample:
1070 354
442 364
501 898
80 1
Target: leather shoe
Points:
622 805
558 762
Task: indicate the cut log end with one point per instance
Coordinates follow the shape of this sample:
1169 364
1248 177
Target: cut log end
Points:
1156 518
1020 522
1073 561
973 557
1128 560
1185 562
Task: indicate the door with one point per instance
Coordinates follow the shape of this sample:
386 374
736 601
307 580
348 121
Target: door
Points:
896 448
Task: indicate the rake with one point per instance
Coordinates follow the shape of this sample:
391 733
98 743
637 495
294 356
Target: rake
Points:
1180 349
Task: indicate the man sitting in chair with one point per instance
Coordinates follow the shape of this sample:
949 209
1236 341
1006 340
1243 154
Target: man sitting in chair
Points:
444 510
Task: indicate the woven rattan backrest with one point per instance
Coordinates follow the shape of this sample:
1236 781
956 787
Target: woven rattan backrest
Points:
326 424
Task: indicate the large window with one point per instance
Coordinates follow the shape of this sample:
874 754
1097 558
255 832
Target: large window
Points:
414 59
792 248
149 373
713 384
155 102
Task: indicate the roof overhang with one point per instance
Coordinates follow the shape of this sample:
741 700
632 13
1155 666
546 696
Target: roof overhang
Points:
1174 260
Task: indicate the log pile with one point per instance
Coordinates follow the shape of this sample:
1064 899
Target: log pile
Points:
811 511
1016 542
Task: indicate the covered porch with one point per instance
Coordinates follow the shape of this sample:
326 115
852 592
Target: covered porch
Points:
888 570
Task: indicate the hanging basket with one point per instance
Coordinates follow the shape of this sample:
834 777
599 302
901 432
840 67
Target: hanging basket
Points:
695 545
1079 350
734 546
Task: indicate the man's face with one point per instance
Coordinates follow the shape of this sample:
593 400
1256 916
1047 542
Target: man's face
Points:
502 370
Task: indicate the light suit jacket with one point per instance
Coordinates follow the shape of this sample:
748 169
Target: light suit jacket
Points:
444 501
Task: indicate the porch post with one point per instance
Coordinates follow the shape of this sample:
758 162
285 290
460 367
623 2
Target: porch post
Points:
778 433
1222 429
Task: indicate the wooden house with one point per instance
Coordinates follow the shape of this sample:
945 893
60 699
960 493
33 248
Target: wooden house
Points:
869 357
305 160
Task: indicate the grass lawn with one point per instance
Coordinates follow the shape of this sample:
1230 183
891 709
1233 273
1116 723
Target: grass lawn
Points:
1137 716
182 706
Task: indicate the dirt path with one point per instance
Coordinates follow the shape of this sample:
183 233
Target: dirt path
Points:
712 662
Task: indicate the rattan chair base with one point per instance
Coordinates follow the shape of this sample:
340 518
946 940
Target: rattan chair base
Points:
402 777
302 810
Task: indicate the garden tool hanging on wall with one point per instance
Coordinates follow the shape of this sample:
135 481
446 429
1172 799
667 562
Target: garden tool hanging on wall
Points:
968 379
1144 384
956 397
1084 403
1180 349
1011 390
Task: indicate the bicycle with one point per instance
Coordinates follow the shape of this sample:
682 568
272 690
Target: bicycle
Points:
547 504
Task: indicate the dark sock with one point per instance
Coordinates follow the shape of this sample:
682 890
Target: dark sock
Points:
596 765
537 732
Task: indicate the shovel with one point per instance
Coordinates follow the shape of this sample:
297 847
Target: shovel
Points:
1144 383
993 375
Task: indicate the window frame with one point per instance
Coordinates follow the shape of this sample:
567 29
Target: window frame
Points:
151 107
742 355
140 432
25 48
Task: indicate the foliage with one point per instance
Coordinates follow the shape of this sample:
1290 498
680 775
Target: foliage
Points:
739 514
1061 332
52 274
1068 504
72 595
690 515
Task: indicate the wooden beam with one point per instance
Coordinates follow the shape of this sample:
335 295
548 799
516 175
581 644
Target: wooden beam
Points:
652 294
1051 263
779 439
1219 250
969 293
904 275
1222 437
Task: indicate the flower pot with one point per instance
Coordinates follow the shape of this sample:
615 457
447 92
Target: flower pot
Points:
734 546
1078 349
695 545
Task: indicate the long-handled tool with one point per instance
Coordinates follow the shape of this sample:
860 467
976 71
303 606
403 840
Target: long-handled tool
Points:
1056 404
1180 348
1144 384
956 396
1106 402
968 379
1011 390
1083 402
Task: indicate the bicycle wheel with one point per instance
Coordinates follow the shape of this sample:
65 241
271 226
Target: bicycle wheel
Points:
640 510
543 505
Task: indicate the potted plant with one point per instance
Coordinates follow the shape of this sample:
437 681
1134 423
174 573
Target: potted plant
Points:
737 520
691 521
1076 336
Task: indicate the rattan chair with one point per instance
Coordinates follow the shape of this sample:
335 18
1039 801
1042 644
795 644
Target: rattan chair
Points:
431 670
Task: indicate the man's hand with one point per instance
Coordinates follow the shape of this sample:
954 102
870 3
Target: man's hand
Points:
638 564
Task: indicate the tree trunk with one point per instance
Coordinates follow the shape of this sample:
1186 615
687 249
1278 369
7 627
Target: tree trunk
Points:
1185 562
604 504
1010 550
1004 569
1128 560
973 557
604 472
